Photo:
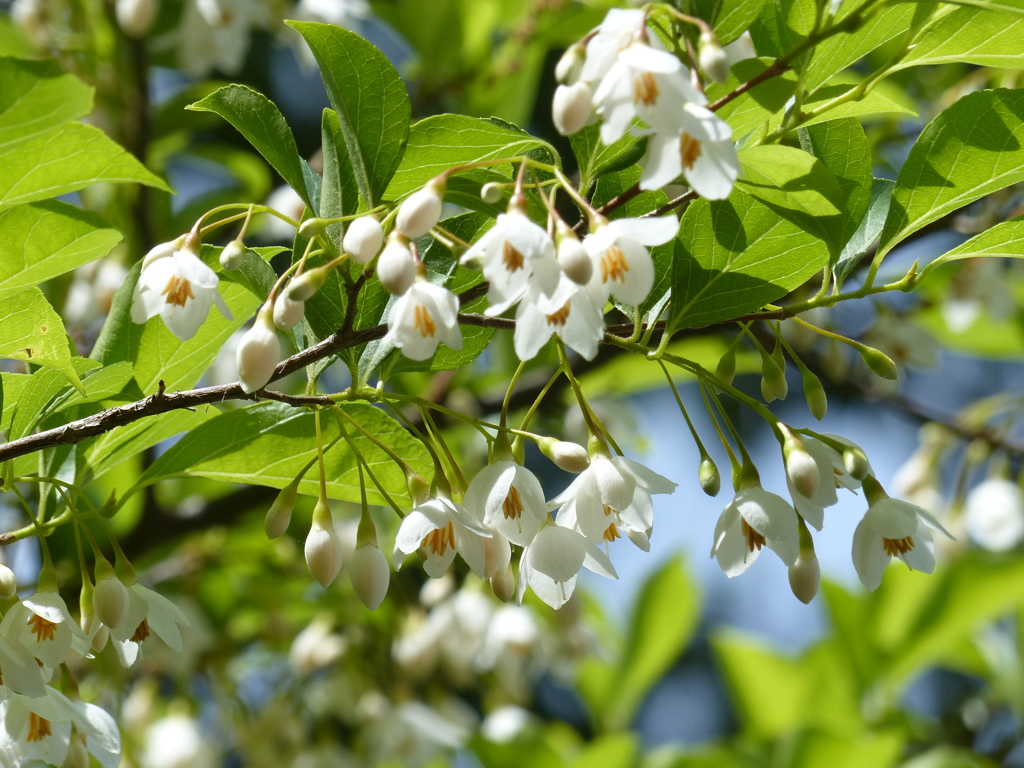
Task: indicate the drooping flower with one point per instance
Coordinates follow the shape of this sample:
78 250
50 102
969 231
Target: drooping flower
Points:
575 313
148 613
363 239
619 28
440 528
43 626
552 561
819 462
425 316
994 514
420 211
258 352
508 498
571 107
755 518
622 264
180 288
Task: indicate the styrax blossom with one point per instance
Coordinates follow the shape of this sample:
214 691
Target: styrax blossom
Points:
575 313
148 613
43 626
755 518
551 562
622 264
181 289
20 671
440 527
699 148
995 514
509 499
610 497
893 528
619 28
812 508
425 316
571 107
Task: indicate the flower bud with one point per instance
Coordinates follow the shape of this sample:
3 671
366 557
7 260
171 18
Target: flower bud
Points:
801 468
323 547
573 257
491 192
311 228
258 353
370 574
710 479
136 17
232 256
421 210
78 755
571 107
396 267
288 312
109 598
814 393
726 369
570 65
8 583
419 489
878 362
303 287
503 585
280 513
571 457
773 381
805 577
856 463
363 239
712 58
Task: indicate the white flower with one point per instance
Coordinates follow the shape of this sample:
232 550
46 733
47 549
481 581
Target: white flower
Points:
571 107
622 264
258 352
805 577
610 496
214 34
396 267
148 613
995 514
508 498
893 528
440 527
20 671
43 626
755 518
619 28
713 58
551 562
821 461
287 201
175 741
420 211
181 289
363 239
574 312
425 316
349 14
288 312
316 647
647 83
699 148
370 575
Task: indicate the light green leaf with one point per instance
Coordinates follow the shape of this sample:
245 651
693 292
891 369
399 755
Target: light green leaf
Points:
999 6
973 36
67 159
30 330
879 748
764 104
594 157
767 689
728 18
437 143
797 186
270 442
39 391
972 149
370 101
738 256
41 240
868 231
871 103
259 120
1004 240
38 96
842 147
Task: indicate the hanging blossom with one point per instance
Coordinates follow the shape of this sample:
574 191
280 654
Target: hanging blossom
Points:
509 499
439 528
424 316
622 264
755 518
574 313
148 613
551 562
43 626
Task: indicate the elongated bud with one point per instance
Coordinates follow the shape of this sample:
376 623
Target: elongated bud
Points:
713 60
800 467
805 577
773 381
311 228
109 598
573 257
323 547
136 17
396 267
303 287
878 362
503 585
232 256
280 513
570 65
571 107
856 463
371 575
78 755
814 393
258 353
571 457
288 312
710 479
363 239
491 192
421 210
8 583
726 369
419 489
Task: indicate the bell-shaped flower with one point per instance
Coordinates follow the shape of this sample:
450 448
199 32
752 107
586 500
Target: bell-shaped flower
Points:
258 352
439 528
370 575
619 28
425 316
820 460
622 264
509 499
181 289
699 148
20 671
893 528
552 561
396 266
420 211
363 239
43 626
575 313
148 613
754 519
994 514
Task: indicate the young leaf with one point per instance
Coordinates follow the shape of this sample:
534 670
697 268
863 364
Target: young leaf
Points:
871 103
594 157
32 331
869 229
970 35
1004 240
728 18
842 147
38 96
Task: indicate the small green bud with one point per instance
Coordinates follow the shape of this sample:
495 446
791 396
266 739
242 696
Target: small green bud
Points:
503 585
280 513
307 284
710 479
726 369
232 256
880 363
311 228
814 393
773 381
856 463
491 192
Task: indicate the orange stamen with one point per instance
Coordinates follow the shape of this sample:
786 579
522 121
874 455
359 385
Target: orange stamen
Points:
754 539
559 317
422 321
38 727
645 89
438 540
178 291
42 628
141 633
894 547
511 258
689 150
512 507
613 265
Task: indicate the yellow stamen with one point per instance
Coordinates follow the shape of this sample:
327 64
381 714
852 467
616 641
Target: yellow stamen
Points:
438 540
178 291
43 628
422 321
689 150
613 265
894 547
608 511
38 727
511 258
754 539
513 504
141 633
645 89
611 533
559 317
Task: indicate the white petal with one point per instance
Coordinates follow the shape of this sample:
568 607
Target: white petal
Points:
649 231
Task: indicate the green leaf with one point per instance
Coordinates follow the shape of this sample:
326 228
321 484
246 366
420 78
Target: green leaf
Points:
66 159
869 229
40 388
41 240
30 330
970 150
768 690
842 147
871 103
728 18
1004 240
370 101
764 104
259 120
594 157
738 256
270 442
38 96
440 142
999 6
879 748
797 186
340 196
973 36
